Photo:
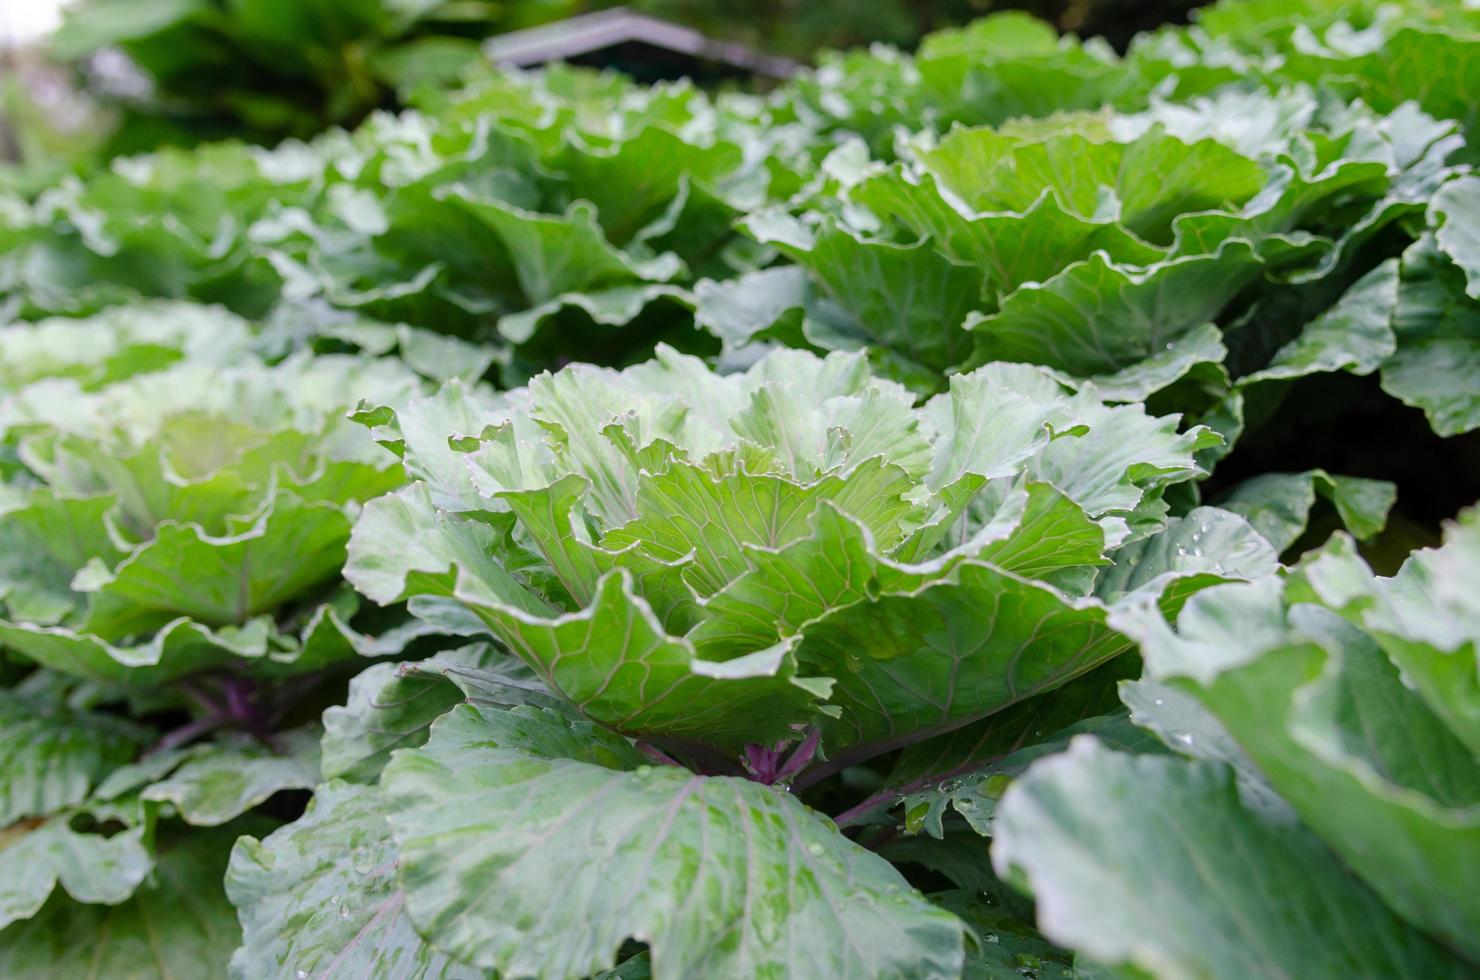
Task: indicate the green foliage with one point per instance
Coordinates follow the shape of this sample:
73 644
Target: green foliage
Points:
264 70
898 525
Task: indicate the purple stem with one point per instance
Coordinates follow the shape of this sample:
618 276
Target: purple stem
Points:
187 733
765 765
230 700
763 762
239 702
802 756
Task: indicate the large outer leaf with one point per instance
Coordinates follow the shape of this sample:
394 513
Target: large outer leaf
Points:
178 648
907 298
390 706
1185 726
1424 617
178 926
1066 322
722 877
89 867
1362 759
1151 865
1279 504
1438 336
224 779
52 756
632 180
319 898
43 542
1459 237
555 254
914 663
1355 334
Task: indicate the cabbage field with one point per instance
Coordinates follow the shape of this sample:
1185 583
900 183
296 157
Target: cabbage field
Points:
998 511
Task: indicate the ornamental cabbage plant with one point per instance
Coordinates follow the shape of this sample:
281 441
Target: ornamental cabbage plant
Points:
718 592
173 519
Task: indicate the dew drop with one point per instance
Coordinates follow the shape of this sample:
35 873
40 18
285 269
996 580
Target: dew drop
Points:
854 662
344 911
1159 702
1185 738
301 975
992 938
966 805
814 849
363 859
949 785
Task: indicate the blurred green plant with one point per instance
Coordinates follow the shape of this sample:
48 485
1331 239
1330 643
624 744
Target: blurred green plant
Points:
268 69
800 28
264 70
47 126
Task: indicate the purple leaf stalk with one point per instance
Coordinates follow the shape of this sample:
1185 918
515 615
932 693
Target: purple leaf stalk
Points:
772 765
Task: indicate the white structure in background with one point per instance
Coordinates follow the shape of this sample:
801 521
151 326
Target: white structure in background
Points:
26 21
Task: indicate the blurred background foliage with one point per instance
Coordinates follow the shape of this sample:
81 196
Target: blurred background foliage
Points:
800 28
179 72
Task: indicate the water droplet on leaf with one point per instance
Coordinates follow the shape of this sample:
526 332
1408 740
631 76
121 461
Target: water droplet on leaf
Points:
363 859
